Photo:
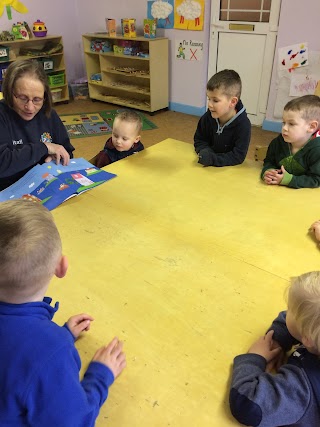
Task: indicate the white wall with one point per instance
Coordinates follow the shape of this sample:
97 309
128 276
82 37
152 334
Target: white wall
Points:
299 22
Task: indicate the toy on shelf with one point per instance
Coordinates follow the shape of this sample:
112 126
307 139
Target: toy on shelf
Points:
111 27
20 31
39 29
100 46
6 36
149 28
96 78
128 27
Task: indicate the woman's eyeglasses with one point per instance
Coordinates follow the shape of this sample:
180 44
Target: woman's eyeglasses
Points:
25 100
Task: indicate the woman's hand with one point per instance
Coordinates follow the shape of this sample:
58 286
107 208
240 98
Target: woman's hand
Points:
58 153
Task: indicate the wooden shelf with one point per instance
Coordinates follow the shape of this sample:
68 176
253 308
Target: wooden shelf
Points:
145 91
38 43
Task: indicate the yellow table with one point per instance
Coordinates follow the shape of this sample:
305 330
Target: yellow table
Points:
187 265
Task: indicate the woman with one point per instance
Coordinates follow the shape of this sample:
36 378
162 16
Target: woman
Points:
31 131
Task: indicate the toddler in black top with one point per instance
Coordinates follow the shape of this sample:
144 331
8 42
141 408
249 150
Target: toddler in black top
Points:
223 134
125 139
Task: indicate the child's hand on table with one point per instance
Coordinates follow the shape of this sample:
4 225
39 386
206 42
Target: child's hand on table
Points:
264 346
112 356
79 323
274 176
315 228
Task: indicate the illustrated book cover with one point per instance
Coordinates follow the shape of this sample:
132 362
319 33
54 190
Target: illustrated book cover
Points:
52 184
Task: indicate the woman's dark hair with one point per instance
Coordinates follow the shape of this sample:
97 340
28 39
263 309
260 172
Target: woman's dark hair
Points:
21 68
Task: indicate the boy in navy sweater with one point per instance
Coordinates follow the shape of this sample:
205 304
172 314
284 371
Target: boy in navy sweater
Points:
39 370
291 397
223 134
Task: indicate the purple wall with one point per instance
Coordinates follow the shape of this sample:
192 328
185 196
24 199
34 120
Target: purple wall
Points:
299 22
72 18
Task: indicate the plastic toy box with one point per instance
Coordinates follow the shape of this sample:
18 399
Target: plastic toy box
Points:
56 79
47 64
56 94
4 53
79 89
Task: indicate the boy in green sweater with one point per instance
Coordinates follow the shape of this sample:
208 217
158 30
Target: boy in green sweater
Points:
293 158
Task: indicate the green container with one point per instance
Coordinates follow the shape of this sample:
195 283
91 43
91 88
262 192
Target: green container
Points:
56 79
4 53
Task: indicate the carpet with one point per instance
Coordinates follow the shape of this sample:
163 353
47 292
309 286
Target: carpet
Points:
94 124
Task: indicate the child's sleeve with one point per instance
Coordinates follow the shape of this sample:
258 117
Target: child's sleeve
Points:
311 179
56 397
281 333
201 136
261 399
240 144
271 161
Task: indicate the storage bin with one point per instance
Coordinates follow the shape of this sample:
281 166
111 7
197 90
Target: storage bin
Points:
56 94
79 91
3 70
56 79
4 53
118 50
47 64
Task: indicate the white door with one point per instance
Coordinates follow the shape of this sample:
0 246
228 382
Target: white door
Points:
246 46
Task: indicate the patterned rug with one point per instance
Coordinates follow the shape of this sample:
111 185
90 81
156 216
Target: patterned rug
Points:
93 124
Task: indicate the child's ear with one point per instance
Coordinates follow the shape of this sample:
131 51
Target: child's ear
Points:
313 126
234 101
137 139
62 267
307 342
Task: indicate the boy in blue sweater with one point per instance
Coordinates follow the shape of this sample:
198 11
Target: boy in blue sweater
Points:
223 134
39 370
290 397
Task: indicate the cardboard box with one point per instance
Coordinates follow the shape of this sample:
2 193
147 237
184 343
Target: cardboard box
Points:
128 27
111 27
149 28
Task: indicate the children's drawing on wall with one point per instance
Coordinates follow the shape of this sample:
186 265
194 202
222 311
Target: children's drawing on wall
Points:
162 11
304 84
189 14
191 50
294 56
15 4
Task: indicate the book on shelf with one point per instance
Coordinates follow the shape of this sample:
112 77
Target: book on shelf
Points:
52 184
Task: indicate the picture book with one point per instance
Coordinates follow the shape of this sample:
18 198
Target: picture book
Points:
52 184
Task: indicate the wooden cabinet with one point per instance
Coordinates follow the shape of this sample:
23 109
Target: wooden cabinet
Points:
42 49
137 80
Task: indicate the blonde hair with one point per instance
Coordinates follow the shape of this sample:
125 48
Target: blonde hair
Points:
308 106
30 247
131 117
304 305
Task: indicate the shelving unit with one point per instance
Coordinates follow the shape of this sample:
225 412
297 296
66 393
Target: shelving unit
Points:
129 80
17 47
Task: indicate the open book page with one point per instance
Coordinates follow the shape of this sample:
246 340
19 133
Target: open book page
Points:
52 184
